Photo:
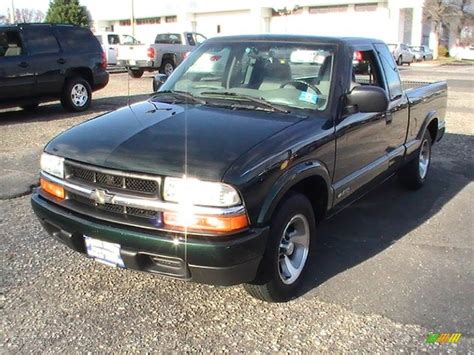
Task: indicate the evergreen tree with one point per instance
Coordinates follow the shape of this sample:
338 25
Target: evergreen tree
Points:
67 11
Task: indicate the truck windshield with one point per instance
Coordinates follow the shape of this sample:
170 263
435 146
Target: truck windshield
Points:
285 74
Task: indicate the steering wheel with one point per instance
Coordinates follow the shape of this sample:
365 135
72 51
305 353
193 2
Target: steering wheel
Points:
297 83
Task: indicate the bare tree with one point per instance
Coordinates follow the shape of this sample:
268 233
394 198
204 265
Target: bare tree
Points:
453 14
27 15
3 19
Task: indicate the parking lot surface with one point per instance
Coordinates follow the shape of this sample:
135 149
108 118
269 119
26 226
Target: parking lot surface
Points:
390 269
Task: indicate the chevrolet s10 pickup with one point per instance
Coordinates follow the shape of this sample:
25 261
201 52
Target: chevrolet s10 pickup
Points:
223 174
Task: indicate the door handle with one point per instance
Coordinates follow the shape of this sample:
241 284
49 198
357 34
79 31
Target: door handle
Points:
23 64
62 61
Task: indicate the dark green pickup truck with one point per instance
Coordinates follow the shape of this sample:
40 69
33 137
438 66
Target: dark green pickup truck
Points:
222 176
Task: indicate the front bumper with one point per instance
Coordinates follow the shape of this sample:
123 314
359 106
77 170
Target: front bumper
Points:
214 260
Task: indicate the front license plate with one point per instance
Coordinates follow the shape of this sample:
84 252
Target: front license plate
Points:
104 252
132 62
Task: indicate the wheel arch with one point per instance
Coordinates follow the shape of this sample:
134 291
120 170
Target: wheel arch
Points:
83 72
431 123
309 178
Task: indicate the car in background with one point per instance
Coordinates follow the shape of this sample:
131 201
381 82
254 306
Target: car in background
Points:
466 53
422 53
165 54
401 53
110 42
46 62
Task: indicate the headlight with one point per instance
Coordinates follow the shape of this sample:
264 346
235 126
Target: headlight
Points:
201 193
53 165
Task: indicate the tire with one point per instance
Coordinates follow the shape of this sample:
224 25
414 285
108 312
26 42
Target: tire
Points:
77 95
135 73
414 174
167 67
400 61
30 107
274 281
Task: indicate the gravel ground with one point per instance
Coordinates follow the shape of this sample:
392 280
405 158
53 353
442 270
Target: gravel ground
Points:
54 300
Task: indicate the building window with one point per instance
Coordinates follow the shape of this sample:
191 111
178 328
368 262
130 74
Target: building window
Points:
170 19
365 7
149 21
327 9
125 23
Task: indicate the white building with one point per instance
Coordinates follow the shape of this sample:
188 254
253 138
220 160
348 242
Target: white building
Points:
389 20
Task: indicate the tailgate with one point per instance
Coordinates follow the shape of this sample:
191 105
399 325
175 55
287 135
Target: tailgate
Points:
133 52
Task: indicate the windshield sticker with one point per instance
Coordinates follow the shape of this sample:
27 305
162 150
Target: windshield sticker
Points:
308 97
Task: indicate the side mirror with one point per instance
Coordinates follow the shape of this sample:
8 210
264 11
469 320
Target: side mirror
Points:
367 99
158 81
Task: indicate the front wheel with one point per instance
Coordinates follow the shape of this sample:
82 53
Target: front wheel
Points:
414 174
289 248
77 95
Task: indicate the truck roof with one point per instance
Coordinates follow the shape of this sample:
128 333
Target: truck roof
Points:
13 25
297 38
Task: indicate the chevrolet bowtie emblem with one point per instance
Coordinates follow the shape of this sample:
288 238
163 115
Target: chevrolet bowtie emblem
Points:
101 196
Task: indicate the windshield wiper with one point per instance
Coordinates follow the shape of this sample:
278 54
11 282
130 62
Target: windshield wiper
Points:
242 97
181 95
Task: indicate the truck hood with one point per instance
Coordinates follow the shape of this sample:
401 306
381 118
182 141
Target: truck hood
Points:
172 140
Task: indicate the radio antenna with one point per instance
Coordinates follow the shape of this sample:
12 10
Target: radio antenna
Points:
128 90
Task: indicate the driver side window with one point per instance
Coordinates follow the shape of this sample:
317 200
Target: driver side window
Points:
365 70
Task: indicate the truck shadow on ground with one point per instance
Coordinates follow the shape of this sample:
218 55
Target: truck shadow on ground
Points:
53 111
388 213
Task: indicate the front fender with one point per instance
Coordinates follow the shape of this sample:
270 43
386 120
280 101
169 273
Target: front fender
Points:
289 179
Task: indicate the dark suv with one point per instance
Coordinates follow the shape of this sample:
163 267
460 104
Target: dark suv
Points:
44 62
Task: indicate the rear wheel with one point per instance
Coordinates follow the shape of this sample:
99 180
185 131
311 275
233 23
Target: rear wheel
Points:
289 248
400 61
135 73
77 94
167 67
414 174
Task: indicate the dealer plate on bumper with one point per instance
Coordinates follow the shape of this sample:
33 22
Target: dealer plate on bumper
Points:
104 252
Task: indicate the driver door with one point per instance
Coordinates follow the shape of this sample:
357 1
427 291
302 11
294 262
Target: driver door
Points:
360 137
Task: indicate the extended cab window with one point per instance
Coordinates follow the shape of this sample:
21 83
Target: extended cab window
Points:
10 44
40 40
191 40
289 74
391 71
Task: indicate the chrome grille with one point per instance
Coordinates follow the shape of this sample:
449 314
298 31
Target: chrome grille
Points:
110 179
108 207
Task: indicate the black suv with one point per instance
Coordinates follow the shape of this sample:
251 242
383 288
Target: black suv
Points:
43 62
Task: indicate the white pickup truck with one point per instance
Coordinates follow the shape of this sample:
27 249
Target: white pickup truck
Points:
164 55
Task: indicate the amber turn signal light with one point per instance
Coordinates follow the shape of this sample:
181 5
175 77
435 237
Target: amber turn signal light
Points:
52 188
218 224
